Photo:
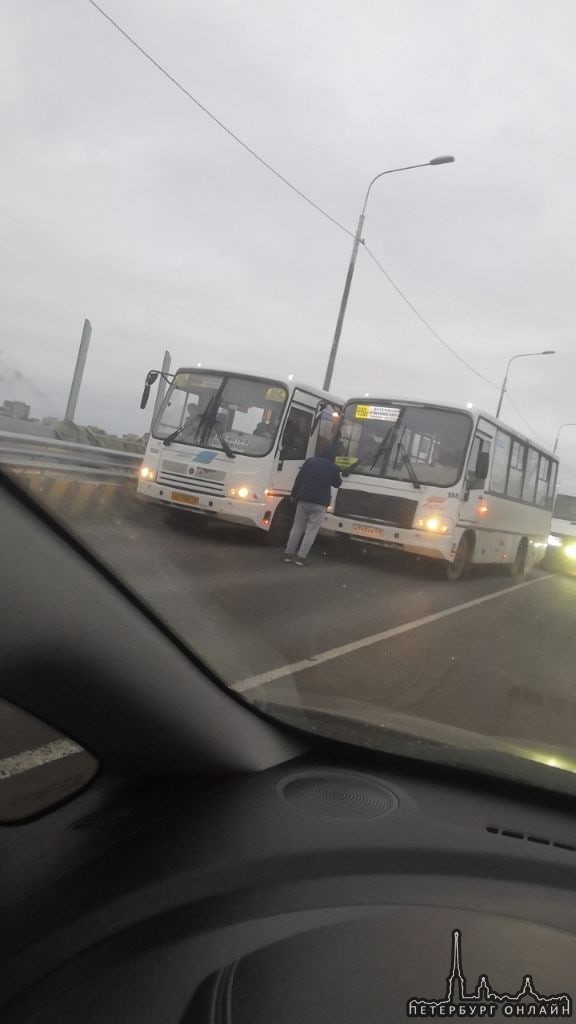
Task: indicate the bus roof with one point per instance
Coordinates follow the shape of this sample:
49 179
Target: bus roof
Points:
273 378
475 413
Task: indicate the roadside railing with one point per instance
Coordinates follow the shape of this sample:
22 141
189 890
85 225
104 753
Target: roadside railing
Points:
75 480
46 454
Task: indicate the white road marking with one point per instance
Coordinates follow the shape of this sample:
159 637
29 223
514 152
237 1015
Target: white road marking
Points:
356 645
27 759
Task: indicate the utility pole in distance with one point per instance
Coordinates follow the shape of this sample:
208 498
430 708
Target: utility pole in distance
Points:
78 371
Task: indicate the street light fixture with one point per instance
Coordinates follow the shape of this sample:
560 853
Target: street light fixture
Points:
560 429
521 355
357 239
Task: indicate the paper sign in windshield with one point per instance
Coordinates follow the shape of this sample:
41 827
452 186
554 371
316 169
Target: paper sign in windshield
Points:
275 394
377 412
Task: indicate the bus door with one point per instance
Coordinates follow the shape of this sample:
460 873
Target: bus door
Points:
295 442
473 508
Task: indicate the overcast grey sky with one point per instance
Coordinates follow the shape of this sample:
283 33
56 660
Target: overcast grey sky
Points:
122 202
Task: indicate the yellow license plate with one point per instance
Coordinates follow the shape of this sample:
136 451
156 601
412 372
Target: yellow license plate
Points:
185 499
368 531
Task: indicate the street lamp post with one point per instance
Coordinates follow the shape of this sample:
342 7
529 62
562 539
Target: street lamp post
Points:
560 429
356 243
521 355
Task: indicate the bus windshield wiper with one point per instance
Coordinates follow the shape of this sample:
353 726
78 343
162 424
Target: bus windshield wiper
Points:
409 466
225 446
369 460
200 416
180 430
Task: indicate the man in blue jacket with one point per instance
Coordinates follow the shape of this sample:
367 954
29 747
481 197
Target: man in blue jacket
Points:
312 493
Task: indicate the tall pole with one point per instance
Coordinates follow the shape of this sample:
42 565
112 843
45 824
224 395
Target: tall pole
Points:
78 371
520 355
503 390
352 264
560 429
343 304
161 384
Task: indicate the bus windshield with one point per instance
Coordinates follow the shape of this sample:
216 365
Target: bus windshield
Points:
210 408
404 442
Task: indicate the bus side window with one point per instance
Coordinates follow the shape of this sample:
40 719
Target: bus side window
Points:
478 462
296 434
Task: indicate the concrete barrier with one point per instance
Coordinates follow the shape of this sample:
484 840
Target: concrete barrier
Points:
72 498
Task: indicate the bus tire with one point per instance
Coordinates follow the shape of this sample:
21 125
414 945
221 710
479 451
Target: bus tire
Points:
460 567
518 568
277 535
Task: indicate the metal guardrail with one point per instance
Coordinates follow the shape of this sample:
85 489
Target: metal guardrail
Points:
45 454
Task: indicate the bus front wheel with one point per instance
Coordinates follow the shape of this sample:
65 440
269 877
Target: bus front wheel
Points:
518 568
277 535
460 567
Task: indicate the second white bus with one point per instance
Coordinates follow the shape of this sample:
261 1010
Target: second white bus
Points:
445 483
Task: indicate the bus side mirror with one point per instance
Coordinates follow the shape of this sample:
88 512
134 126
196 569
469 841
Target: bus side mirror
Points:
482 463
151 379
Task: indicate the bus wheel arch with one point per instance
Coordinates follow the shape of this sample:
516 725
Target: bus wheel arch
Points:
460 567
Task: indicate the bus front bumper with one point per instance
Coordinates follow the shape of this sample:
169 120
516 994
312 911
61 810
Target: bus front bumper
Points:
232 510
414 542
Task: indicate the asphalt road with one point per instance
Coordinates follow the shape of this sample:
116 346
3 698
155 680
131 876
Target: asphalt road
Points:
359 630
503 666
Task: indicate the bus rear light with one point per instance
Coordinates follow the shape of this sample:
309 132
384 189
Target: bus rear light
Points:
482 508
147 474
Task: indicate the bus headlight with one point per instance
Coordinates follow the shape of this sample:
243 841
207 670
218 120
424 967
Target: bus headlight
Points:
241 492
147 474
435 524
554 542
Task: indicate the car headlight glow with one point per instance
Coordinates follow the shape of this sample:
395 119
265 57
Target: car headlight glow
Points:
554 542
147 474
570 551
434 524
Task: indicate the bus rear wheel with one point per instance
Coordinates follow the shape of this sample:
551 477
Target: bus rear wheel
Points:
460 567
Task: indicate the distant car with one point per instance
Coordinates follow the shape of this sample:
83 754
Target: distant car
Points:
561 552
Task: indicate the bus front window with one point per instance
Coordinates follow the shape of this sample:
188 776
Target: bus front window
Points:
204 407
377 440
249 414
187 400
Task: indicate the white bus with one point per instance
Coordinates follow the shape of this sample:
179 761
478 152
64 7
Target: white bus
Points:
228 445
444 483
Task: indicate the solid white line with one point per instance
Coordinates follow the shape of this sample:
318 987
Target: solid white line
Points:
27 759
356 645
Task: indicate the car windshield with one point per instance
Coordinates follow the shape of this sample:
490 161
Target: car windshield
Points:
216 411
387 440
286 343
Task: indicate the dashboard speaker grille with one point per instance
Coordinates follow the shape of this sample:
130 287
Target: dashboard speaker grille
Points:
341 795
